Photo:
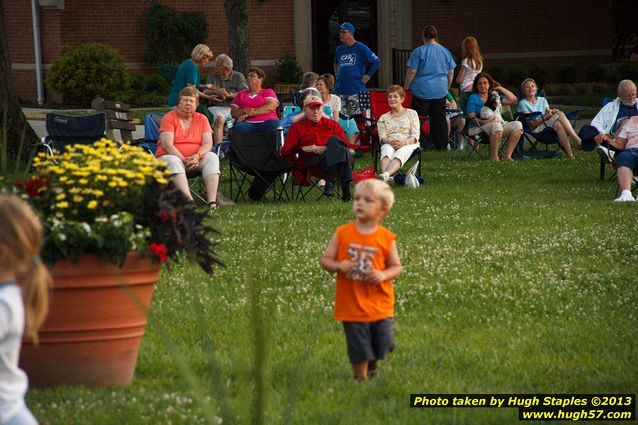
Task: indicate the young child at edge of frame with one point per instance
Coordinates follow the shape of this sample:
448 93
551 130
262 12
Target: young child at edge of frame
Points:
23 305
364 255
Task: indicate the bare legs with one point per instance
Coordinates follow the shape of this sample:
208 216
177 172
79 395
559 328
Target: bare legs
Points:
352 139
218 131
495 142
360 370
512 142
181 182
211 182
565 131
624 176
390 166
364 370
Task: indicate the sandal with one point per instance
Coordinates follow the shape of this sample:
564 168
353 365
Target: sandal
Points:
213 205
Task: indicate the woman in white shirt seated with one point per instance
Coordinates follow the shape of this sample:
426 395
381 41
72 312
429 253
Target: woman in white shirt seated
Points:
399 132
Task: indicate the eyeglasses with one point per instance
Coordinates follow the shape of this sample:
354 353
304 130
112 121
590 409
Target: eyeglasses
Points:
628 96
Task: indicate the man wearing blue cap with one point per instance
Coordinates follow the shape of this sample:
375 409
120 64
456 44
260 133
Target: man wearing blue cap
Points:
354 65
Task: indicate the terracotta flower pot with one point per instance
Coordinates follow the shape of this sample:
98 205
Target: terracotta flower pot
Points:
95 323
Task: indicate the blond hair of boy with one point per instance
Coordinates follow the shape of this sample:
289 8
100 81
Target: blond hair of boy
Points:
365 258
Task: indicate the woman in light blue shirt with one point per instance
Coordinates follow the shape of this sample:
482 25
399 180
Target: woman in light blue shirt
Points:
548 118
429 75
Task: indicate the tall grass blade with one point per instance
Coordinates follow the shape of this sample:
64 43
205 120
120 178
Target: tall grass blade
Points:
4 142
260 351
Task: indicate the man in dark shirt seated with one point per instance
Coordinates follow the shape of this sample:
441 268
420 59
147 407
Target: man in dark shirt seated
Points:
317 142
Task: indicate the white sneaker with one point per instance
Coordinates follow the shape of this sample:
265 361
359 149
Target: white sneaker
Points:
385 177
605 153
625 196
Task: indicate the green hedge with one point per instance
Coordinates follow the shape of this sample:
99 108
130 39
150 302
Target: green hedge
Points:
82 73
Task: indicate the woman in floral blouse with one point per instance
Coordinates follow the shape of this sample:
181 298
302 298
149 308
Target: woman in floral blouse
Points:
399 132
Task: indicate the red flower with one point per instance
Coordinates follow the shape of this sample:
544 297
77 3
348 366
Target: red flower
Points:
34 185
159 249
167 216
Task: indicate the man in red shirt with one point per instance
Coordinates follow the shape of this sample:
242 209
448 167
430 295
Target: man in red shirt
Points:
319 143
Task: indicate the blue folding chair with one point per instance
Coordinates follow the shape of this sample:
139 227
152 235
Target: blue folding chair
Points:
67 130
546 137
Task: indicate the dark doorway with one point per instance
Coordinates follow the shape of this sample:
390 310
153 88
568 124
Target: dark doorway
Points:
326 17
625 36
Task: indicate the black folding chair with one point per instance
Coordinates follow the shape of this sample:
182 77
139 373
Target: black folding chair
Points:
256 168
66 130
474 137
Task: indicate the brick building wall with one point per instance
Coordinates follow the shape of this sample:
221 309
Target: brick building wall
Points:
546 33
121 24
518 32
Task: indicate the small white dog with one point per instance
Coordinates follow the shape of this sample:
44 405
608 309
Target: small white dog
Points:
492 107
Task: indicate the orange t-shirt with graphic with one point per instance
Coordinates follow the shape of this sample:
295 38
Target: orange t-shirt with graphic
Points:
356 300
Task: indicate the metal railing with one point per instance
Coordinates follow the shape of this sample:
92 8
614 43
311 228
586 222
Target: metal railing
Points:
399 59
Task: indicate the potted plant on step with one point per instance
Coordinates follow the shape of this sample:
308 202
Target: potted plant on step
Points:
111 218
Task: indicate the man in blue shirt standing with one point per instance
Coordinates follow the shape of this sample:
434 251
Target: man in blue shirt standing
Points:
354 65
430 73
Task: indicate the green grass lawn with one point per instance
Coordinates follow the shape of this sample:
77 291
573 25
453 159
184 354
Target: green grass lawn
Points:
517 278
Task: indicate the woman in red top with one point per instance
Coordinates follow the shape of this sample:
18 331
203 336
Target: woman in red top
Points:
185 144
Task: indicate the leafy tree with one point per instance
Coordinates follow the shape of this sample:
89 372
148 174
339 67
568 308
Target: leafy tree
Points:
171 34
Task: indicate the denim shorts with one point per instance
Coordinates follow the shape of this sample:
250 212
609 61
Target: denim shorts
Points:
628 158
369 341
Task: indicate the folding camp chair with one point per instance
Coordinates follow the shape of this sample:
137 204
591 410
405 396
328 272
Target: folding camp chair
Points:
306 181
152 124
379 106
604 159
66 130
547 137
474 137
256 168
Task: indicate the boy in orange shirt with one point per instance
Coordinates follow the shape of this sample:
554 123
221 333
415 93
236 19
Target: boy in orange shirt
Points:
364 255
